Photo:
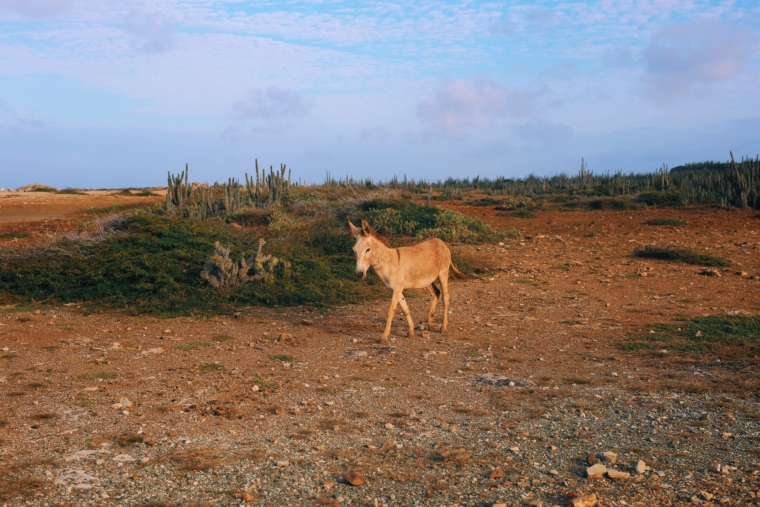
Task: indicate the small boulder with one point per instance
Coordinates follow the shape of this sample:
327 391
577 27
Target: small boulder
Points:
584 501
596 471
641 467
354 478
616 474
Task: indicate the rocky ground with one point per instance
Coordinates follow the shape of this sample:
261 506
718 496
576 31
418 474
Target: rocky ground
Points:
300 407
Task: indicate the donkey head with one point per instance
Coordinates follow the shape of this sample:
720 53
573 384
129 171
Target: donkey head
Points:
366 242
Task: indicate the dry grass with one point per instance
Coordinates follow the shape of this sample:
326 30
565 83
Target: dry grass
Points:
24 486
196 459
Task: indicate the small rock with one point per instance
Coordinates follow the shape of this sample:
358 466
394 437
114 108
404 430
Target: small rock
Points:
283 464
126 403
610 457
237 315
307 322
616 474
255 388
641 467
495 474
355 478
328 484
515 450
536 503
167 331
706 496
285 337
499 504
596 471
388 426
116 406
455 455
584 501
553 472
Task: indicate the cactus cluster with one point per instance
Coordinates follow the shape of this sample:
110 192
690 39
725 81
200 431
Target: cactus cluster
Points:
225 199
223 273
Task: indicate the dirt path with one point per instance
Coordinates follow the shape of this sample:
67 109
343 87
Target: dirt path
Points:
276 407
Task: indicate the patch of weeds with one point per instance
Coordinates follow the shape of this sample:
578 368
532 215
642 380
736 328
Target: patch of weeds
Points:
562 267
25 318
687 256
472 353
97 375
590 235
9 356
264 384
285 358
71 191
523 280
577 381
223 338
212 367
35 385
194 345
735 338
670 222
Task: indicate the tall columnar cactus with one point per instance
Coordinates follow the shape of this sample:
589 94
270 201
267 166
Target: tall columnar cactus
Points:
178 193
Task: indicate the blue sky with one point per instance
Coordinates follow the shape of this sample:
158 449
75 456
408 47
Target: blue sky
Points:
106 93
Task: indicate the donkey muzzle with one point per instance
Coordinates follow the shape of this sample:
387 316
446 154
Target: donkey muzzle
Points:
360 274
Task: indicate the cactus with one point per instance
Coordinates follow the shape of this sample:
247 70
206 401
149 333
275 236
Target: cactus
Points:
224 274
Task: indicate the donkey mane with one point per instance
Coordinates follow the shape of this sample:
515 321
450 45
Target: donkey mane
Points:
382 239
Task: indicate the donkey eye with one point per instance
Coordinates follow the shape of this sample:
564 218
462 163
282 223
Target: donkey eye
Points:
367 250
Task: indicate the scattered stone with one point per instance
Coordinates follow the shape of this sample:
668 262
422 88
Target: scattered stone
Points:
307 322
609 457
584 501
495 474
388 426
616 474
283 464
355 478
328 484
126 403
455 455
515 450
78 478
596 471
641 467
121 458
499 504
706 496
710 272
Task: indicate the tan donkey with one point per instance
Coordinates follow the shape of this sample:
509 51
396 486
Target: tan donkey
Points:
409 267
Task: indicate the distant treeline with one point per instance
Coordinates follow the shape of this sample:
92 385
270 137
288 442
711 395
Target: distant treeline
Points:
728 184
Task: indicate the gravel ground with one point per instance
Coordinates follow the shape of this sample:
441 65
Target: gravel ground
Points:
288 407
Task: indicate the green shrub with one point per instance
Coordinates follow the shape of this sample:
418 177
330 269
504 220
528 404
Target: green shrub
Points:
194 345
671 222
154 266
687 256
659 199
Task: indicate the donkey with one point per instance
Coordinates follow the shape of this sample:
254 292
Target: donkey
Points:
410 267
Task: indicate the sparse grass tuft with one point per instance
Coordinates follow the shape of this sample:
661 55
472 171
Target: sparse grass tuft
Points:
687 256
197 459
285 358
222 338
212 367
194 345
671 222
130 439
731 337
44 416
25 486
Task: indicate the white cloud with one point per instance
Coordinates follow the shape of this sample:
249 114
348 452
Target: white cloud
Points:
270 103
152 31
463 103
34 9
686 58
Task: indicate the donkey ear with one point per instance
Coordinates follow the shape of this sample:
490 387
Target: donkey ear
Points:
367 229
355 231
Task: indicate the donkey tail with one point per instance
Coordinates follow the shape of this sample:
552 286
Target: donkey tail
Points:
458 273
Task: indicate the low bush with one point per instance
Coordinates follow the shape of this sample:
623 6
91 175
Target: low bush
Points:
687 256
669 222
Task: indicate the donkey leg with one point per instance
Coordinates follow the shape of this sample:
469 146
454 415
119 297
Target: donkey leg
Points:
444 278
408 314
391 313
433 290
